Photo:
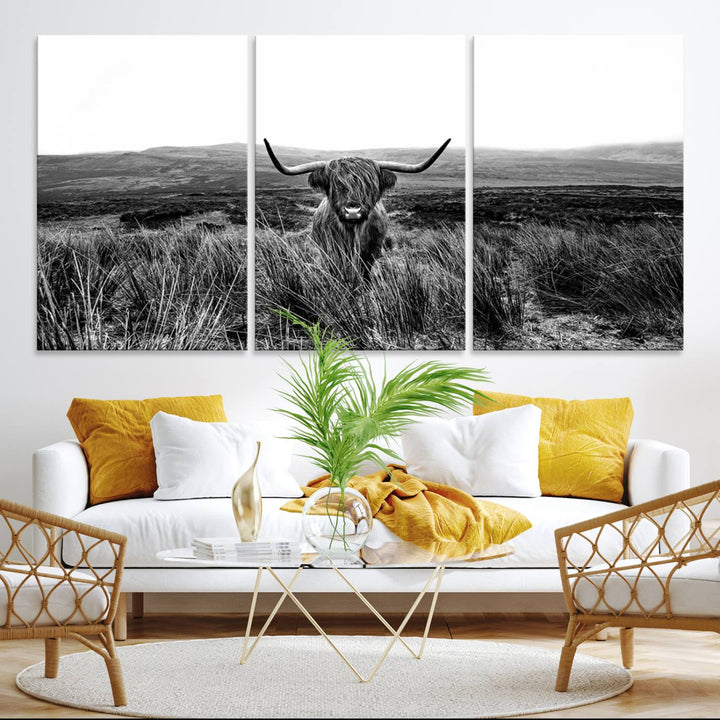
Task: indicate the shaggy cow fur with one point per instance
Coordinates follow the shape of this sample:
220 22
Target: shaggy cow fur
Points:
351 217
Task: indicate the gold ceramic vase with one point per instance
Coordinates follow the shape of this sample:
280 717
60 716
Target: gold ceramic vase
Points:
247 502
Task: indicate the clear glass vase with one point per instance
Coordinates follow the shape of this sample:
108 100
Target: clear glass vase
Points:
247 502
337 522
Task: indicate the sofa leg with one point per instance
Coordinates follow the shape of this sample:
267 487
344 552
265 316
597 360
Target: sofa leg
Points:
52 657
120 624
138 605
627 646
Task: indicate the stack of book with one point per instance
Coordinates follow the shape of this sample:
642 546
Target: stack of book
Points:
279 552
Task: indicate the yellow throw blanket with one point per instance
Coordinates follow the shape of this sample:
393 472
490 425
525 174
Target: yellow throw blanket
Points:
429 515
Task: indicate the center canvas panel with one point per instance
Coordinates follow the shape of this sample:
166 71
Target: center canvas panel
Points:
360 190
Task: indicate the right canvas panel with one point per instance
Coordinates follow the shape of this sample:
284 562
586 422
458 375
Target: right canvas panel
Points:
578 193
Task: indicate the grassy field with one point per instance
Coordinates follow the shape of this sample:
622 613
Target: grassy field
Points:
143 250
105 286
608 276
414 298
573 249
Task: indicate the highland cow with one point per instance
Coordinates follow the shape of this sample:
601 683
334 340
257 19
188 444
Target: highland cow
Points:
351 218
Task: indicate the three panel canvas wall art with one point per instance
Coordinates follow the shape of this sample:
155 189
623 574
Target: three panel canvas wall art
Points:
359 191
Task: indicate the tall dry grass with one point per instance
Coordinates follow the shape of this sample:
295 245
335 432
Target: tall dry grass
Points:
633 272
630 275
499 293
413 299
177 288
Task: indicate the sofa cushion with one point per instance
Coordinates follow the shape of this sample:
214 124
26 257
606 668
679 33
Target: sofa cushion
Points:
582 443
115 436
61 607
153 525
535 548
694 590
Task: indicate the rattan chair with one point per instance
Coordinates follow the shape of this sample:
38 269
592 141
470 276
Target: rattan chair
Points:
652 565
39 598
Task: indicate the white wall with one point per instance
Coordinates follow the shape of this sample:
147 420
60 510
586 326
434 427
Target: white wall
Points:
676 395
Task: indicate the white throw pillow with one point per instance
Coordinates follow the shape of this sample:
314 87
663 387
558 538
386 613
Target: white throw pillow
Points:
204 459
493 454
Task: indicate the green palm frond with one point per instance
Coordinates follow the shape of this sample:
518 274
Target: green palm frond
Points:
342 414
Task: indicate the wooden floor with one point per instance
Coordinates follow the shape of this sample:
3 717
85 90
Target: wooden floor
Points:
677 673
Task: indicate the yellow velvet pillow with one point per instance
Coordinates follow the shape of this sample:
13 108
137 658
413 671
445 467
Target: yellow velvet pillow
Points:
582 443
116 438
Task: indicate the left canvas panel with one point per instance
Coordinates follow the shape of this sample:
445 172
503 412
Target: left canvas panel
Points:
142 193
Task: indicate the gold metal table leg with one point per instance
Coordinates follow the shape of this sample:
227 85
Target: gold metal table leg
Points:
246 654
437 575
314 622
432 610
437 572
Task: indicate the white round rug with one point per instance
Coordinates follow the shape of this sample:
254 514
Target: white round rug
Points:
301 676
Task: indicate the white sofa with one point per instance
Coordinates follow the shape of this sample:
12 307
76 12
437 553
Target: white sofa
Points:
61 477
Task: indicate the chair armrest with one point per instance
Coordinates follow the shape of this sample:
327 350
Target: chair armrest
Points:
655 469
48 520
664 506
61 479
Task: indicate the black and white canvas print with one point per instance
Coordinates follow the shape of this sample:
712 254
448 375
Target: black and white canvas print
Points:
141 193
360 190
578 193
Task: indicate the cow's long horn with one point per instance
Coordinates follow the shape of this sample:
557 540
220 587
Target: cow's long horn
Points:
295 169
420 167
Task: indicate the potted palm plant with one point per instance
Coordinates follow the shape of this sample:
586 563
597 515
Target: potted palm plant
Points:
345 416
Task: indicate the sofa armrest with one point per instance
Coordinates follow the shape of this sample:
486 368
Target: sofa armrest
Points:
61 479
654 469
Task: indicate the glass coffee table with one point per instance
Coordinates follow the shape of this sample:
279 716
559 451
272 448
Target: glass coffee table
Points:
388 555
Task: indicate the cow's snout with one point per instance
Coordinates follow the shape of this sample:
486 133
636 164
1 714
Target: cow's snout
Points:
353 213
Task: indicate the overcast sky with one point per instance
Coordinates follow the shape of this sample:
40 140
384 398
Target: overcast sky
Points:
105 93
571 91
334 92
131 92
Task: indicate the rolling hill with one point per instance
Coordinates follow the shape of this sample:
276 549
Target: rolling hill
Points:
208 170
156 171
